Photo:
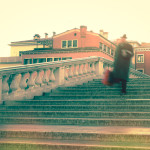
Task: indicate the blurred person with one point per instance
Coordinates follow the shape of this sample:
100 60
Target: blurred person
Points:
123 55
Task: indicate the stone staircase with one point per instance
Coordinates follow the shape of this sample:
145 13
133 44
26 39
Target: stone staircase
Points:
86 117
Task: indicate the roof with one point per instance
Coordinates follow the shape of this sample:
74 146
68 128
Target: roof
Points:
29 42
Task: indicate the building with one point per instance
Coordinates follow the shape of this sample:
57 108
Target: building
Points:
143 58
74 43
27 45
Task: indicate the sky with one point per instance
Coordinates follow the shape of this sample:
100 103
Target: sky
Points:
22 19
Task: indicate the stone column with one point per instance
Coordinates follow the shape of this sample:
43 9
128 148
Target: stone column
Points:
59 75
99 68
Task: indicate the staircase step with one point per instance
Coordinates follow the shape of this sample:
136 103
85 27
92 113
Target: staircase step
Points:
102 96
80 102
89 93
92 133
29 144
144 108
77 121
76 114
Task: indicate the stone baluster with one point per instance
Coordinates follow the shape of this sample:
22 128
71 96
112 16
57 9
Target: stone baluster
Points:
75 70
84 69
46 76
89 67
31 81
52 77
39 77
80 69
5 86
24 78
15 84
93 67
70 73
66 73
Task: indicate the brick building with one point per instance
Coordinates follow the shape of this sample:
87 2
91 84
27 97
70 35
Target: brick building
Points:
143 58
75 43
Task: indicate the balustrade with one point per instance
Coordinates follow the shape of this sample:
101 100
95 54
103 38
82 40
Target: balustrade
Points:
25 82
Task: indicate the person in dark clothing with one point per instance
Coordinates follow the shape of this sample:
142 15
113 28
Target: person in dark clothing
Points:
123 55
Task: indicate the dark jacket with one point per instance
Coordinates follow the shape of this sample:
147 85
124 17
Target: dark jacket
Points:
123 55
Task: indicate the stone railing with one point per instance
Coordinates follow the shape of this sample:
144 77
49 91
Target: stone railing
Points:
26 81
133 73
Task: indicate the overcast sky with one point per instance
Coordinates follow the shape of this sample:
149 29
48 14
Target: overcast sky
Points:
22 19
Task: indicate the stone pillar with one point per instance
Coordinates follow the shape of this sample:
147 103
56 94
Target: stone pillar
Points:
99 68
59 75
75 70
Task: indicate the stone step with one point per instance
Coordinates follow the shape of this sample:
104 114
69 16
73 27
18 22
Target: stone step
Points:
107 87
77 121
38 144
90 93
76 114
102 96
112 89
81 102
128 83
130 79
132 108
88 133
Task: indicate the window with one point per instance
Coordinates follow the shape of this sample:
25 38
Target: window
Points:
57 59
140 58
100 46
69 44
27 61
35 61
104 48
41 60
74 43
65 58
140 70
112 52
49 59
64 44
108 50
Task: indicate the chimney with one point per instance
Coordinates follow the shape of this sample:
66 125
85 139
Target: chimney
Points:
105 34
36 37
46 35
54 33
83 30
101 32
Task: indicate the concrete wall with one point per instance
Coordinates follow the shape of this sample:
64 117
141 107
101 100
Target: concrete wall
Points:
10 61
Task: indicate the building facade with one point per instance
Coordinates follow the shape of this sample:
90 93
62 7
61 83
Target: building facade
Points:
28 45
143 58
75 43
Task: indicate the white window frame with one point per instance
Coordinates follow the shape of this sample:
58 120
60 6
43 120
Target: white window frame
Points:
137 58
67 44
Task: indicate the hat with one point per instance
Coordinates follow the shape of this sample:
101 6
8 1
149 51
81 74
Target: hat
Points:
124 36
